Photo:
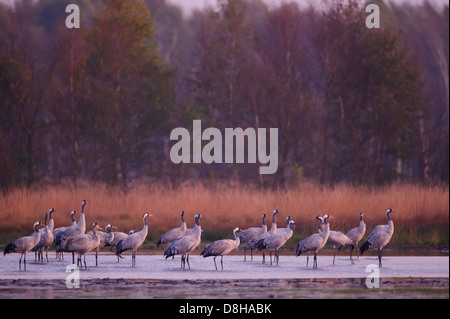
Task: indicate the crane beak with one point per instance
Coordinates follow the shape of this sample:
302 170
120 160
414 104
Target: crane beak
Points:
114 227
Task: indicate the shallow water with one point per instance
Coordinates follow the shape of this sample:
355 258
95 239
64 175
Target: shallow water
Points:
155 277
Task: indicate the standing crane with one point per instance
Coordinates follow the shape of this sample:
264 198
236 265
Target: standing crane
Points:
247 235
60 230
118 236
260 238
379 237
337 239
74 231
185 245
275 241
357 233
82 244
23 245
46 238
221 247
315 242
134 241
173 234
105 238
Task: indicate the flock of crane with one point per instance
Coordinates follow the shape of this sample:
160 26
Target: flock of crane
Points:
182 241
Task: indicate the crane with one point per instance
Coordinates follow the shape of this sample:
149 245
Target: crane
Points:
75 230
185 245
379 237
134 241
273 229
315 242
82 244
357 233
337 239
275 241
221 247
46 238
23 245
247 235
105 238
60 230
173 234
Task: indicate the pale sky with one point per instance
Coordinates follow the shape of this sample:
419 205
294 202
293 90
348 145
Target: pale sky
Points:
189 5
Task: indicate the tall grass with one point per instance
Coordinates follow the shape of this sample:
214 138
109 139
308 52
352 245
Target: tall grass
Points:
422 218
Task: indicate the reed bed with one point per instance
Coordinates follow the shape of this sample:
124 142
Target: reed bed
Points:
422 218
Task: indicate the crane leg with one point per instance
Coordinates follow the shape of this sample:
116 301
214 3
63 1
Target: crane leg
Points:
307 260
245 256
251 254
379 257
315 261
264 258
221 261
25 261
270 254
187 259
20 261
334 255
215 262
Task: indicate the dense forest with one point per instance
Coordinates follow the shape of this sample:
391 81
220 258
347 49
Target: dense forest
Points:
351 104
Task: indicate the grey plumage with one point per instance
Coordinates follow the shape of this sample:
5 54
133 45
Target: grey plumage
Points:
82 244
57 232
173 234
338 239
73 231
105 238
260 238
221 247
23 245
185 245
133 241
275 241
315 242
357 233
379 237
46 238
247 235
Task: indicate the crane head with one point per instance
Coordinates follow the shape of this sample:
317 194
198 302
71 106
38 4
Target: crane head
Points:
292 224
96 226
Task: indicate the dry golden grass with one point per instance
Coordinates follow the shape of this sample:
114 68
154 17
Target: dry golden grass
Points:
423 212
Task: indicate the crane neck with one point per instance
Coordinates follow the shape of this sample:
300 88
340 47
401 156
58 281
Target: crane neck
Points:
273 228
73 219
361 223
321 226
236 238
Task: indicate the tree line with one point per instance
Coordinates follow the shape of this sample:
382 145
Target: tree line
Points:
352 104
